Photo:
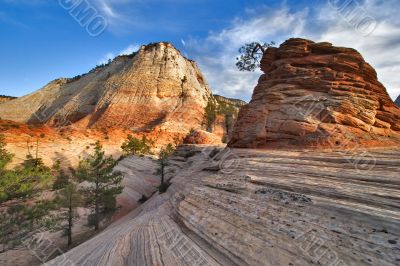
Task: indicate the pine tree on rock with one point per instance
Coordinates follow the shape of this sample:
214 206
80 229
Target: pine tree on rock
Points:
5 156
103 184
163 158
69 198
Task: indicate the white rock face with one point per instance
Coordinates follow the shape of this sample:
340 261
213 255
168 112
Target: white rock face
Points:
262 208
156 87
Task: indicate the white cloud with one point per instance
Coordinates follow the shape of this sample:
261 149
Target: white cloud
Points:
128 50
216 54
106 58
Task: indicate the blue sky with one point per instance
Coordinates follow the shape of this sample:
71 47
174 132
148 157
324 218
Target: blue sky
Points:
41 41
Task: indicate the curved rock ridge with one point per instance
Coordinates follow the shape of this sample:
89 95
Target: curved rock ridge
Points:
249 207
317 95
155 87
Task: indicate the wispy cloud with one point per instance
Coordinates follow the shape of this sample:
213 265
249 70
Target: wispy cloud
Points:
216 54
128 50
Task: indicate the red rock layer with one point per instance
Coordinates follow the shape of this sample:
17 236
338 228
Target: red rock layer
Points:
317 95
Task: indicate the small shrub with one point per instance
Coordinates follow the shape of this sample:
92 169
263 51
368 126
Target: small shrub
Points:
136 146
164 187
143 199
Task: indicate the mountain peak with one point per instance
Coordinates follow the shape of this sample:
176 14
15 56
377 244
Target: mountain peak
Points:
156 86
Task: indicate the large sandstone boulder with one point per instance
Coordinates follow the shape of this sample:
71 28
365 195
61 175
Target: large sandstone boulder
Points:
317 95
201 137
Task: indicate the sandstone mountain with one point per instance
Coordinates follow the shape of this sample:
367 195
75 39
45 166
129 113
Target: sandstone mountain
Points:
155 91
398 101
315 94
155 87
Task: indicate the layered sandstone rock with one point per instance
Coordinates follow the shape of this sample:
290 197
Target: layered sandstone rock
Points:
227 112
252 207
315 94
157 87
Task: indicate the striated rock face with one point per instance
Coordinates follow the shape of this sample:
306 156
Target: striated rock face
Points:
315 94
397 102
227 112
250 207
155 87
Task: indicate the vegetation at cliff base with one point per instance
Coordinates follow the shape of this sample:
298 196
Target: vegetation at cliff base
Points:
136 146
36 198
5 156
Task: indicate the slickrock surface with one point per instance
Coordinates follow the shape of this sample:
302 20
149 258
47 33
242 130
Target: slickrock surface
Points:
257 207
157 87
315 94
139 179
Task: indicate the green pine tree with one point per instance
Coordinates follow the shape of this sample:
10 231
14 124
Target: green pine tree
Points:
69 198
163 158
136 146
5 156
104 184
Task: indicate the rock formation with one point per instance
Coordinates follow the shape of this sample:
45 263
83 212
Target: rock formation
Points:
157 87
229 101
227 110
397 102
155 91
246 207
317 95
